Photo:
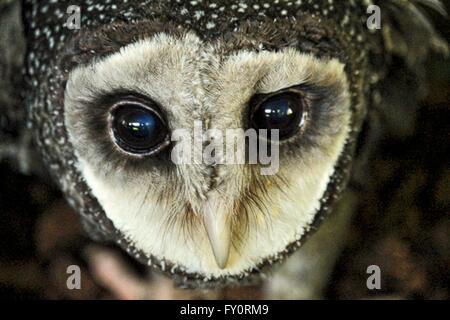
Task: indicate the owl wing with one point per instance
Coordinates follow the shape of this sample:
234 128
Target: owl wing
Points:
407 30
15 140
409 38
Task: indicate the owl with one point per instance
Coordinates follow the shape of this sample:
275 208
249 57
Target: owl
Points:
101 100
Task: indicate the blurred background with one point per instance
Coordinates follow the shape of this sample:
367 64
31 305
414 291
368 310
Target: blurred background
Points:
403 224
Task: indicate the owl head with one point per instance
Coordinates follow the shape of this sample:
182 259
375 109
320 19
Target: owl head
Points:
114 102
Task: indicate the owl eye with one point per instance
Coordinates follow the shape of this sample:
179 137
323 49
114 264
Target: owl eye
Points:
138 128
283 111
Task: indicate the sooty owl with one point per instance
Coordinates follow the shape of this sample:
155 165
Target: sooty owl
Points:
104 100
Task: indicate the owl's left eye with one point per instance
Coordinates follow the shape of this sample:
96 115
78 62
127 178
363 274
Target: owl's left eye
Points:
138 128
283 111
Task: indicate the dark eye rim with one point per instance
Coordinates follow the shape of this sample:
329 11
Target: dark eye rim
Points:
258 99
139 103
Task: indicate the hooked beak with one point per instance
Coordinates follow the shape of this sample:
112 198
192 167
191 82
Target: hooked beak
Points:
217 224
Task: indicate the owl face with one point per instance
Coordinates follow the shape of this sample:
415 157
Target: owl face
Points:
210 219
124 91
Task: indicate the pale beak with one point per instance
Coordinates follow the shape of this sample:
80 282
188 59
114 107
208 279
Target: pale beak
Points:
217 223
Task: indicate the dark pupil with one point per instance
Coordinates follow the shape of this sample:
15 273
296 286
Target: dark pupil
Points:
137 129
283 112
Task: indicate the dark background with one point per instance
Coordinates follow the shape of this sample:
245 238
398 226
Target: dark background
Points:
403 225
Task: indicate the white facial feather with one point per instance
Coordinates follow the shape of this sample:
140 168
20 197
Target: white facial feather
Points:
191 83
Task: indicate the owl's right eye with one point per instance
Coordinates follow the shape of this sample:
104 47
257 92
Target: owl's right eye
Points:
138 129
